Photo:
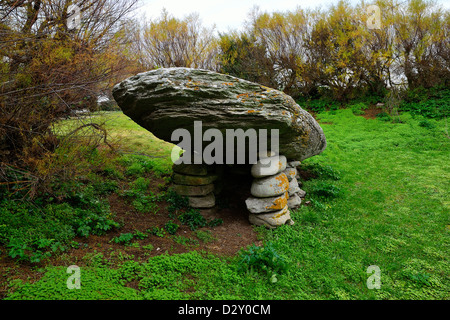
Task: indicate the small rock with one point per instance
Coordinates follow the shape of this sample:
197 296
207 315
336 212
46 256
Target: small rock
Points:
193 190
189 180
207 201
270 186
294 201
291 173
268 166
293 187
301 193
293 164
261 205
273 219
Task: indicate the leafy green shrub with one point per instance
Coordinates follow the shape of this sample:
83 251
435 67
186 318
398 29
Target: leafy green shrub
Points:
171 227
319 105
358 108
384 116
141 184
262 259
145 204
193 219
139 235
143 201
186 241
204 236
215 222
428 102
134 169
176 202
159 232
427 124
123 238
105 187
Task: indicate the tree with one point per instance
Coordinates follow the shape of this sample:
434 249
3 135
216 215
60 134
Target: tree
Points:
422 43
50 68
241 56
171 42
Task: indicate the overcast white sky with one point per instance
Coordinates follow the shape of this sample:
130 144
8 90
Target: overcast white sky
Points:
230 14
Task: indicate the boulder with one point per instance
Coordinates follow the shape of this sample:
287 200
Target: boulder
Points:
167 99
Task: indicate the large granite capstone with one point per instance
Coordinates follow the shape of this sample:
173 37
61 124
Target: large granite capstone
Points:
167 99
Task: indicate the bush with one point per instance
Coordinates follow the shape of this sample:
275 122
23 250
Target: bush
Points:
384 116
262 259
358 108
171 227
176 202
193 219
123 238
159 232
431 103
427 124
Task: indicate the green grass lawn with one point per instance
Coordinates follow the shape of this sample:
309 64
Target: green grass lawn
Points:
381 198
124 132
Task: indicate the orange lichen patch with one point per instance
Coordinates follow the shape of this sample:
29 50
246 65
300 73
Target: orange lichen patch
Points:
279 203
283 182
281 214
280 165
228 83
242 95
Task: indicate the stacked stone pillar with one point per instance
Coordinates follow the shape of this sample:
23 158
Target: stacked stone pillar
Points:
195 182
295 193
268 204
